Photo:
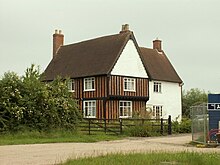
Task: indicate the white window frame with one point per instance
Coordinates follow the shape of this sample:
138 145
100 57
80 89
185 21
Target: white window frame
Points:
71 85
89 84
129 84
89 109
123 105
157 111
157 87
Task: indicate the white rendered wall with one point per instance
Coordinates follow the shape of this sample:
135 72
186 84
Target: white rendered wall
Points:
169 98
129 63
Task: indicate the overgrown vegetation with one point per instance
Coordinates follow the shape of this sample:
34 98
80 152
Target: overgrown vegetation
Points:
182 127
183 158
26 103
142 131
147 129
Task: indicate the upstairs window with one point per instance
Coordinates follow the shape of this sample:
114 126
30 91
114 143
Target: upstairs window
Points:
129 84
125 109
157 111
157 87
89 84
89 108
71 85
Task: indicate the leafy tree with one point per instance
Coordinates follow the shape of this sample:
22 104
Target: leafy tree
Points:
193 97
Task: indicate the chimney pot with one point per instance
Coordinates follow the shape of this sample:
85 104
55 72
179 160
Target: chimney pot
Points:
56 31
125 28
60 31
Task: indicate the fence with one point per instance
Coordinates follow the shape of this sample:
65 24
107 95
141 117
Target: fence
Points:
118 126
199 118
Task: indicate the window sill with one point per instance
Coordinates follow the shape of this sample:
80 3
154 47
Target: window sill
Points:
89 117
158 92
129 90
88 90
124 117
71 91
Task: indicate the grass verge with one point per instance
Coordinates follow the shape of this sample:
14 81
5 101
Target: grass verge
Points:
56 136
182 158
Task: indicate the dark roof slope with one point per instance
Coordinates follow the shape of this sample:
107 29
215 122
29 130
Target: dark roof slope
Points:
158 65
87 58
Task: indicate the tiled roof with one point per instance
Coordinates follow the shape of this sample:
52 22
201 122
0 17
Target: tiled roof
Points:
159 66
87 58
98 56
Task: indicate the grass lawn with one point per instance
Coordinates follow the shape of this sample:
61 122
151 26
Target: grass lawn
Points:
183 158
53 137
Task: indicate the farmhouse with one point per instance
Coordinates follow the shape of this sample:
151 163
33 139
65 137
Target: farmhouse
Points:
112 77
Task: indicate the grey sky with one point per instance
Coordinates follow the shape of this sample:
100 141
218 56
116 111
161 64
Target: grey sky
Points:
189 30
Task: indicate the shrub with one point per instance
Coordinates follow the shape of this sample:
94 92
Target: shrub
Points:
182 127
138 131
26 102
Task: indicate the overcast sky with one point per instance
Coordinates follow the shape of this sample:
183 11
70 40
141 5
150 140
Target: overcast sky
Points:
189 30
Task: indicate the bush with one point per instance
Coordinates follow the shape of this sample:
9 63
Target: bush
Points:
28 103
138 131
182 127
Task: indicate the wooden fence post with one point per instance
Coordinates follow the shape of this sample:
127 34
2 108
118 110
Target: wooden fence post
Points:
161 126
120 121
105 126
169 125
142 121
89 126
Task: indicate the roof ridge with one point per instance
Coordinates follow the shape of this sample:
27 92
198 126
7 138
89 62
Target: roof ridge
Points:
97 38
146 48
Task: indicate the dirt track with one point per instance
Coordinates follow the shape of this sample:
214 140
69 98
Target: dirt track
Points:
39 154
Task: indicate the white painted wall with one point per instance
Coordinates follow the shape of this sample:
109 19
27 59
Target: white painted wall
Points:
129 63
169 98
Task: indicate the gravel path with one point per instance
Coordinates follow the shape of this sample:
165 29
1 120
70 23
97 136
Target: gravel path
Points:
47 154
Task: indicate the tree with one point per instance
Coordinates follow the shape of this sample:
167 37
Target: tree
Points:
193 97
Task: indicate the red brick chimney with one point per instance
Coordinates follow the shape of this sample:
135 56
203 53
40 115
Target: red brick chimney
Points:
157 45
57 41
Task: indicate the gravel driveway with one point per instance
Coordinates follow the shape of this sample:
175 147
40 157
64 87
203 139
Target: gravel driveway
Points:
38 154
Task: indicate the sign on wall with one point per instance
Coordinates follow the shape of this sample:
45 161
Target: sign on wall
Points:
213 106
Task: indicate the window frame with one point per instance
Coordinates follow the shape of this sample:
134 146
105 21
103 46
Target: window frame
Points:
90 107
131 84
157 87
123 108
71 85
89 82
157 111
